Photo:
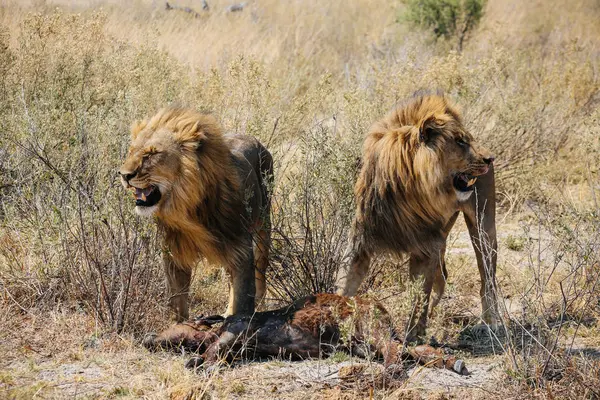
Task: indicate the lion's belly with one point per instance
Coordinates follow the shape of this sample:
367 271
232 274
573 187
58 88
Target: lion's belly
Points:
401 238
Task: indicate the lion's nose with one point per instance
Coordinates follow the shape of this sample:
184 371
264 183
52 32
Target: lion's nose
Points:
489 160
127 175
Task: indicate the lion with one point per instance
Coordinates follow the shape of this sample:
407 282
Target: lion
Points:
209 194
313 326
420 169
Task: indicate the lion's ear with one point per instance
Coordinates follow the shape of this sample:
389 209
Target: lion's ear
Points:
191 136
427 130
196 134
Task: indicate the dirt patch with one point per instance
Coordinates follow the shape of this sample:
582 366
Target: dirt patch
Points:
481 375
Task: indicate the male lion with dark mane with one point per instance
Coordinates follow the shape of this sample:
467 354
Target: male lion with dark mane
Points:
208 194
420 169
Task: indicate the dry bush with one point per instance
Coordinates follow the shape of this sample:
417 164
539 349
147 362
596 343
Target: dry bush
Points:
558 299
312 213
69 231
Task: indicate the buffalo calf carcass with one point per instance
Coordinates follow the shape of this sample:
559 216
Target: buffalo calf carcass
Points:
314 326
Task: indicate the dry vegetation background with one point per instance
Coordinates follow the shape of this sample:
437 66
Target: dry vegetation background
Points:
80 274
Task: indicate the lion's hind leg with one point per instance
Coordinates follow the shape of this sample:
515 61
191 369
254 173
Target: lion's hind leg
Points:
439 282
262 243
422 270
262 238
178 287
242 288
441 273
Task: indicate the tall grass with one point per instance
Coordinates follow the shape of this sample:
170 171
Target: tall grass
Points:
307 78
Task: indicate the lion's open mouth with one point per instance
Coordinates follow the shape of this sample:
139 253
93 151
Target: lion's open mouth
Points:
146 197
464 182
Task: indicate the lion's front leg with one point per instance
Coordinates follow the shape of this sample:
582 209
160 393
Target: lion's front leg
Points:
355 267
178 287
480 217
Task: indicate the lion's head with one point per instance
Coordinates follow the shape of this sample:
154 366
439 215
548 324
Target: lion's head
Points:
163 168
418 161
441 148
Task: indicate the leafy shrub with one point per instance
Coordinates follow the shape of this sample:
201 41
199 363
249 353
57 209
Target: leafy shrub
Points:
447 18
515 243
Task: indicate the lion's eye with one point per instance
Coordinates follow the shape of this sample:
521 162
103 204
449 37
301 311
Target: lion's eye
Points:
461 142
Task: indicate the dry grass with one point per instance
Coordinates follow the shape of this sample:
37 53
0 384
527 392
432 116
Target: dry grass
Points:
307 78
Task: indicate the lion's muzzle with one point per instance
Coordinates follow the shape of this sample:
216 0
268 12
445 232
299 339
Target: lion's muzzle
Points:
464 182
146 197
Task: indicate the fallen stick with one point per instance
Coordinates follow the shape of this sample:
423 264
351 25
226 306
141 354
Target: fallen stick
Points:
188 10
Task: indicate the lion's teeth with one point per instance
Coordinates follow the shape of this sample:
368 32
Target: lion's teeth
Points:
471 182
143 197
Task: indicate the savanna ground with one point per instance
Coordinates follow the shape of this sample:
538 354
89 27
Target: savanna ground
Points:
80 274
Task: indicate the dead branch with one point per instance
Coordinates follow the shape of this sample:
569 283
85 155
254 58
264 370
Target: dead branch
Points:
188 10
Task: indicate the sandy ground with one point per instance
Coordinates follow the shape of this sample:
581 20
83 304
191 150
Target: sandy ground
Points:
66 355
133 372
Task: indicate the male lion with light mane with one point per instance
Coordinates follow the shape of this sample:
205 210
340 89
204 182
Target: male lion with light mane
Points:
420 168
208 194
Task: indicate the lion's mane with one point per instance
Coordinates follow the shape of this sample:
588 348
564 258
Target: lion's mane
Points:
203 213
403 192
